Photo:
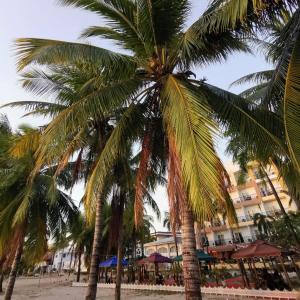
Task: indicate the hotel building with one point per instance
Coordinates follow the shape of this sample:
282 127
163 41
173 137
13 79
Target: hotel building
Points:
252 195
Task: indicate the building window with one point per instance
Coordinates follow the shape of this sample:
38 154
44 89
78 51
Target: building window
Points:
173 249
220 240
162 250
149 251
238 237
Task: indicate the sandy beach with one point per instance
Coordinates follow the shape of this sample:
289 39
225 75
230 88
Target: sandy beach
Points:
59 288
54 288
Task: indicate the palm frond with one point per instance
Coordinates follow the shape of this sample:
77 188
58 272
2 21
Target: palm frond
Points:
188 116
141 178
235 113
125 130
49 52
292 105
257 77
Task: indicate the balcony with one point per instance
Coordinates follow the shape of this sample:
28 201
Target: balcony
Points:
240 240
244 219
274 212
247 184
217 228
246 200
268 195
259 177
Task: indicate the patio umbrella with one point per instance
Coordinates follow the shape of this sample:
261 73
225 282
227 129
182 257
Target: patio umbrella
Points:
112 262
202 256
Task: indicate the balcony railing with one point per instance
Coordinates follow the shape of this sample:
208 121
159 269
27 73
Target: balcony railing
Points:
265 193
246 218
244 198
235 240
222 226
262 176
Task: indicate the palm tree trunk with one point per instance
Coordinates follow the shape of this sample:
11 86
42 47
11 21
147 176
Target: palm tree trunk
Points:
285 215
120 254
93 275
191 272
197 227
1 281
14 270
232 235
176 244
2 262
61 262
70 265
79 266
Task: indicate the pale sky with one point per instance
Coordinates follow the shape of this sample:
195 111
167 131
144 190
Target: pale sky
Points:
47 19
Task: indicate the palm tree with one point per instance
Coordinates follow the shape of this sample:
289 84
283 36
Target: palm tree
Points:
259 92
282 92
263 223
123 196
29 214
85 141
162 105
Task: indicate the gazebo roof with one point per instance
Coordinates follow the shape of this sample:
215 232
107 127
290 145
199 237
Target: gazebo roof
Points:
258 249
155 258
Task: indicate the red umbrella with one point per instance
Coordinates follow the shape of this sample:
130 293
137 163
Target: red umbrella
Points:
155 258
158 258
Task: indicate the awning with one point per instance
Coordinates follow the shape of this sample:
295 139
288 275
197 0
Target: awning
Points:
202 256
222 252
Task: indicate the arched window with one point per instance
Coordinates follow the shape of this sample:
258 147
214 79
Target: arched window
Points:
149 251
162 250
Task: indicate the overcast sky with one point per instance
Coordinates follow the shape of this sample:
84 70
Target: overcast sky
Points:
47 19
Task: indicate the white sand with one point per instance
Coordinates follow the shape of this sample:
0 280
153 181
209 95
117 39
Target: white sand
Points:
54 288
58 288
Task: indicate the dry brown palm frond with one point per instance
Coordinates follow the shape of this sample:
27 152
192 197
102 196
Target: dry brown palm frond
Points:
141 178
114 226
77 167
12 245
175 189
69 151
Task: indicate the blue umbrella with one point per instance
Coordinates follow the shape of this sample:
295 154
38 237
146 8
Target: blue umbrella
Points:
112 262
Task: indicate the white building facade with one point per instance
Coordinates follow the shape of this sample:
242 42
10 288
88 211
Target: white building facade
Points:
64 260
